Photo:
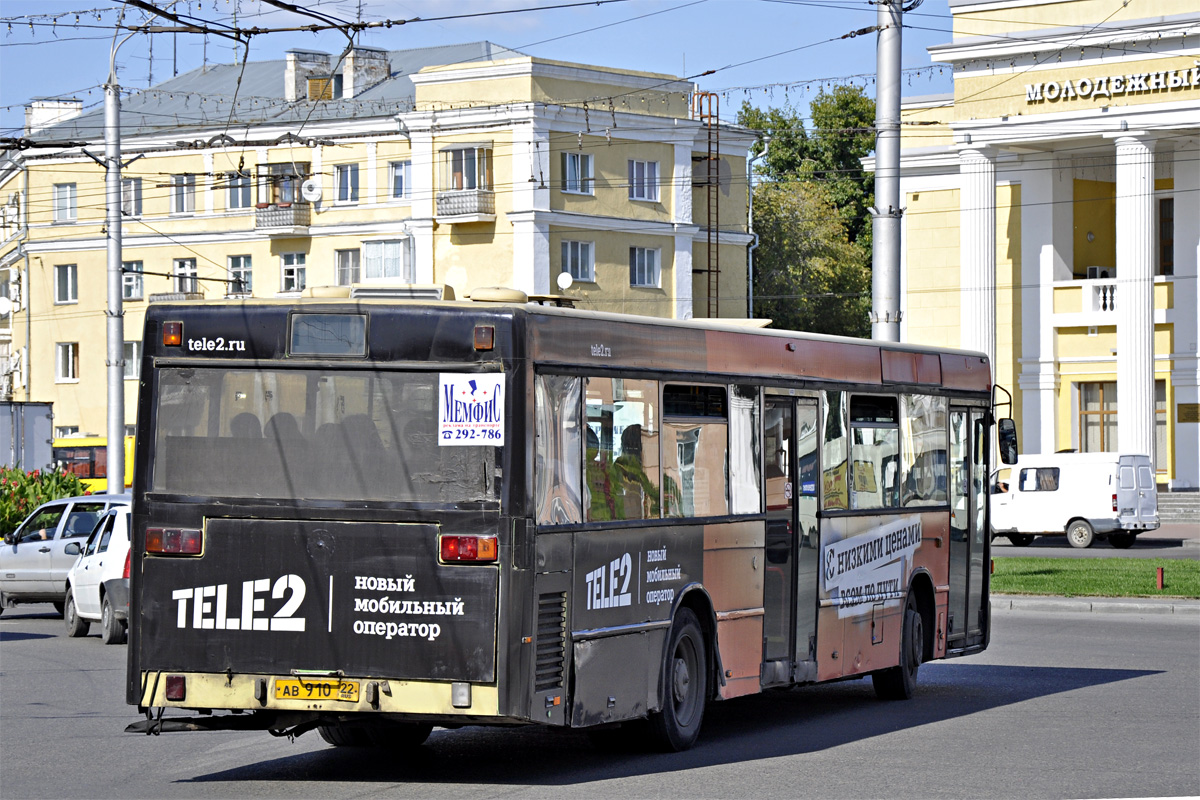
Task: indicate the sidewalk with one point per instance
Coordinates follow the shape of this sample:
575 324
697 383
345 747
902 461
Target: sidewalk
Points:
1099 605
1186 535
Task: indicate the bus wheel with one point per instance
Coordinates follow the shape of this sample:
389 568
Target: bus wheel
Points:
1020 539
76 625
1122 540
388 735
685 686
899 682
1080 534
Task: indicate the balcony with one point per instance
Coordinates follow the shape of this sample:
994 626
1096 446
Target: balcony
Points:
1093 302
283 219
467 205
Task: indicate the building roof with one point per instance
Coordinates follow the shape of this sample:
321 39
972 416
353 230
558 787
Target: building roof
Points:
203 98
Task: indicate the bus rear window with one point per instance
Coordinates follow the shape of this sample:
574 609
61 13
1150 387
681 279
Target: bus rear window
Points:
311 434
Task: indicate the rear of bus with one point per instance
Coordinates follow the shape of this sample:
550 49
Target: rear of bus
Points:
86 457
318 530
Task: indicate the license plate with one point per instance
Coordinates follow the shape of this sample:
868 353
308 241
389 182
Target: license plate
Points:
316 689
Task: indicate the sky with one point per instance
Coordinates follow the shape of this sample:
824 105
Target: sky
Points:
770 52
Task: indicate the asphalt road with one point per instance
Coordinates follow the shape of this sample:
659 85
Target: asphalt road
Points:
1062 705
1175 540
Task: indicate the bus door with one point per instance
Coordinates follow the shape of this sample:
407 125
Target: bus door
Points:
968 524
792 547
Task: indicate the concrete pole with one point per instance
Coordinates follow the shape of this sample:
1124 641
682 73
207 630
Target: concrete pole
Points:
885 222
115 319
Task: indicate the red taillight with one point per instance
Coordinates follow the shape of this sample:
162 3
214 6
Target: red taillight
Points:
174 541
128 555
468 548
176 687
1114 502
172 333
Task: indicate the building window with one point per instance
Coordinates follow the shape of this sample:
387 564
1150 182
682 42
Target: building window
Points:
64 202
240 275
643 267
66 362
346 178
385 259
643 180
401 180
577 259
131 197
131 280
66 283
349 267
65 431
1098 419
1166 236
280 183
185 276
133 360
293 272
577 173
239 190
467 168
183 194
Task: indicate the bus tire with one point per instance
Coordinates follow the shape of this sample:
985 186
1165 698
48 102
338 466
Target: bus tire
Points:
684 686
76 625
900 682
112 630
1020 539
1080 534
385 735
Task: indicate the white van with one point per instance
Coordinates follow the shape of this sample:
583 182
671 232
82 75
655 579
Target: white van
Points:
1084 495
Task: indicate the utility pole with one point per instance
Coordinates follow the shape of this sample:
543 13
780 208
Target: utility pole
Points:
885 222
115 314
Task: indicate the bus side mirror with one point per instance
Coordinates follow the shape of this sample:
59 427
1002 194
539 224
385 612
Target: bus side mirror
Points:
1007 430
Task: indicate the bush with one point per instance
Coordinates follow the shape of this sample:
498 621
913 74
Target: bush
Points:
21 492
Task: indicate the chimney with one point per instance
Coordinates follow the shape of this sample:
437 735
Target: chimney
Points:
364 67
42 112
301 65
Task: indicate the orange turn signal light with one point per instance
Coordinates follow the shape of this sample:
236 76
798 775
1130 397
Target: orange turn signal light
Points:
172 334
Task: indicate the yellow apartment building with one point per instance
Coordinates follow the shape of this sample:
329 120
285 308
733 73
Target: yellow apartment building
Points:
1053 219
463 166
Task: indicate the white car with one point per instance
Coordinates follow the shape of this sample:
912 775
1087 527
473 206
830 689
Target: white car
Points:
33 558
98 583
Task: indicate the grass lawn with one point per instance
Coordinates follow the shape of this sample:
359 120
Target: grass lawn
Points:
1096 577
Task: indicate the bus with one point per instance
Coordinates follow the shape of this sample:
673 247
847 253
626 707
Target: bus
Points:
368 517
87 458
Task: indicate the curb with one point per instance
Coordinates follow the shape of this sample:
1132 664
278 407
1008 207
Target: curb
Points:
1099 605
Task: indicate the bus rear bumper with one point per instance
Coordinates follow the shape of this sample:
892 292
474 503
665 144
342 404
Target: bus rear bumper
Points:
233 692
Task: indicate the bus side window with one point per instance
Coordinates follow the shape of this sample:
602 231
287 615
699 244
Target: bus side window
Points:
745 451
621 463
923 450
695 451
875 452
559 450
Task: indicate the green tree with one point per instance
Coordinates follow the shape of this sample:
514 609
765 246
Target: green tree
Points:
814 180
807 276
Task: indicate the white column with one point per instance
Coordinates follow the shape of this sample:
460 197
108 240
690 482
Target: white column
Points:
1135 295
530 195
977 248
372 174
1038 380
683 275
1185 318
424 183
681 214
209 179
